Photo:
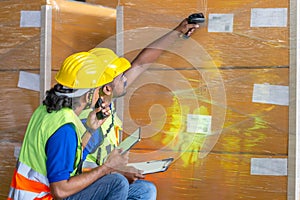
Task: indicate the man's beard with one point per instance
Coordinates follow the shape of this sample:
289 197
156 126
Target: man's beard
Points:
119 95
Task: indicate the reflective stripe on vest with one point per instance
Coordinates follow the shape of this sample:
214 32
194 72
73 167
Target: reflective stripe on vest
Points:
29 173
28 184
21 194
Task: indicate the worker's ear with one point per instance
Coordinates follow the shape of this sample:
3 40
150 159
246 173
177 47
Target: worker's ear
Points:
88 97
107 89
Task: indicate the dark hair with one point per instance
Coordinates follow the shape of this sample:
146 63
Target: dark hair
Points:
54 102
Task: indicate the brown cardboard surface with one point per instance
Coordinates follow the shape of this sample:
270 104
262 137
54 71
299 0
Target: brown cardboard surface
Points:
18 44
17 105
245 46
217 176
111 4
161 108
78 27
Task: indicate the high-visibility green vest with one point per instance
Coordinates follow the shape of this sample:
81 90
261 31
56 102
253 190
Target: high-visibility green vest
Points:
41 127
110 129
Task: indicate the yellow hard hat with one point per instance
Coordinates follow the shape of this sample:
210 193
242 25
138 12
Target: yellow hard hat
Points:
115 64
83 70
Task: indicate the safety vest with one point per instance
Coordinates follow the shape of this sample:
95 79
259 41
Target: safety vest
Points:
30 176
110 129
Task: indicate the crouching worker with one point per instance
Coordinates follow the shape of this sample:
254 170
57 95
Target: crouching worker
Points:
125 73
105 139
49 163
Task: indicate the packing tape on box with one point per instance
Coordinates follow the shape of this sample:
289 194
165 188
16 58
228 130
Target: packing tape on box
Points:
269 17
30 19
269 166
271 94
29 81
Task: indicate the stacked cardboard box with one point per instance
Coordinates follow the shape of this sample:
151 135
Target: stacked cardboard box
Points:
19 51
215 74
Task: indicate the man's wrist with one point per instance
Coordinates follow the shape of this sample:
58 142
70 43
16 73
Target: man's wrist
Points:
178 34
90 130
107 169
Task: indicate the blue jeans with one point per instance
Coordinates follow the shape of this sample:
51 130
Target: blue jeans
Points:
116 187
142 190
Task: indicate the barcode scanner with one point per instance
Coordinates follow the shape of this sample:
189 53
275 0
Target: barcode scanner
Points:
196 18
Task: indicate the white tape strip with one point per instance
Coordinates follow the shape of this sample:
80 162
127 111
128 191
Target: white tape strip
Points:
29 81
30 19
269 17
271 94
269 166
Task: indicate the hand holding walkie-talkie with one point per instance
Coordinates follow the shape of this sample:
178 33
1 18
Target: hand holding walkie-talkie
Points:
100 115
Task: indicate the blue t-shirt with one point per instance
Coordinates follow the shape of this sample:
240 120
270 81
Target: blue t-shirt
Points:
61 151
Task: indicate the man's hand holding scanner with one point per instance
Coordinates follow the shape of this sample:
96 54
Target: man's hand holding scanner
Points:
190 24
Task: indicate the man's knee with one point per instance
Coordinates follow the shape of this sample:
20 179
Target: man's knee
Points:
142 189
120 181
151 189
149 186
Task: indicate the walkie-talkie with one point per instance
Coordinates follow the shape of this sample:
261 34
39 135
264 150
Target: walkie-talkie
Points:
100 115
196 18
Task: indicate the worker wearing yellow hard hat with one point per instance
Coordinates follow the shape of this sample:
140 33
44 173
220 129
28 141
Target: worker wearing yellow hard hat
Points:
108 136
115 67
51 153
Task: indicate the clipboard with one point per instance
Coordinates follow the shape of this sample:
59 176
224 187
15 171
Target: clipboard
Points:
154 166
131 140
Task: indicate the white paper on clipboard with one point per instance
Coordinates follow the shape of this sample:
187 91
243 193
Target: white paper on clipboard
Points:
154 166
131 140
